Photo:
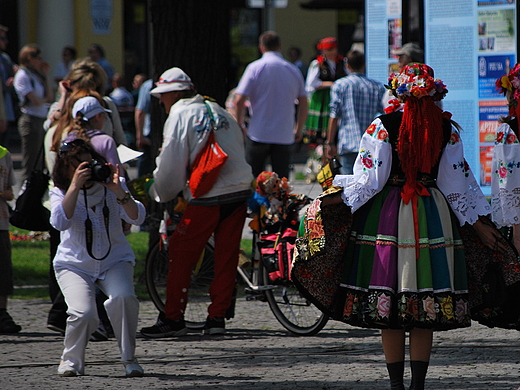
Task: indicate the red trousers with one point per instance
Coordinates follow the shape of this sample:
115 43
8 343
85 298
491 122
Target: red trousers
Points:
186 245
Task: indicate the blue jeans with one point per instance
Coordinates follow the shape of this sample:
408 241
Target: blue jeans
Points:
347 163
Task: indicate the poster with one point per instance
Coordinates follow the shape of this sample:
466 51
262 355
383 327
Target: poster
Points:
490 68
496 30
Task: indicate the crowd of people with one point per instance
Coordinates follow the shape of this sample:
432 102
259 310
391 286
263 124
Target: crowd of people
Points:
396 223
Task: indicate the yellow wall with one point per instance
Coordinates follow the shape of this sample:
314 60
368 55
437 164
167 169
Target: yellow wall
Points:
301 27
112 43
32 17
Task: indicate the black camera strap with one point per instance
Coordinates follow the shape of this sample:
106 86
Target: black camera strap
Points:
89 236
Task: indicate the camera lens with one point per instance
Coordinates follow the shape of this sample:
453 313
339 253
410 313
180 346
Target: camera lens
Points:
100 172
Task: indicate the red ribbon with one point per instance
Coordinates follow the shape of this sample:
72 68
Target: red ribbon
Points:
411 192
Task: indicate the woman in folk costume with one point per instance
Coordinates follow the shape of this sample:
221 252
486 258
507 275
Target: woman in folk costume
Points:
382 249
328 67
505 180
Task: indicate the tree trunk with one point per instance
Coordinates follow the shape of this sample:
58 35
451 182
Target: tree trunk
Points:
194 36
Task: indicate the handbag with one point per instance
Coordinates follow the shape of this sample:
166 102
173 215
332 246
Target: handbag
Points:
29 212
208 163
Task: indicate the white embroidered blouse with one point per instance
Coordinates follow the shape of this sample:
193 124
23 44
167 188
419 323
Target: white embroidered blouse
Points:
372 170
505 177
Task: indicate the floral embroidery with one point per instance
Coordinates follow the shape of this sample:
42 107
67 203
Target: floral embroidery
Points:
375 308
511 139
505 170
461 310
463 166
412 307
508 139
382 135
455 138
383 305
368 161
446 305
349 305
377 131
429 308
371 129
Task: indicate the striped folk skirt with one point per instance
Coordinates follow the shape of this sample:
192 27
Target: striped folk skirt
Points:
315 130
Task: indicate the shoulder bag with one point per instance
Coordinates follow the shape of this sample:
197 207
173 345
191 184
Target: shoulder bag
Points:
208 163
30 213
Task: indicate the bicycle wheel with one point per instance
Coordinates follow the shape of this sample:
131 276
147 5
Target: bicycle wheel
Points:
292 310
198 296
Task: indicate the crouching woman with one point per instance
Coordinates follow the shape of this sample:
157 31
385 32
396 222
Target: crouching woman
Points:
88 203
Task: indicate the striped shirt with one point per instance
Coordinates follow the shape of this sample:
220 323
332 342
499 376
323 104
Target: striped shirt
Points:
355 100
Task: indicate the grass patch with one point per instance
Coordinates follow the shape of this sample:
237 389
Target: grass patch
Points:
299 176
31 264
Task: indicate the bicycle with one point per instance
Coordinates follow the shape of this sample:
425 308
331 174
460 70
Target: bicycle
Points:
291 309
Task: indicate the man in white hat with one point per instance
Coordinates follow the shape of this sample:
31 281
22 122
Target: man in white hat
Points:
220 211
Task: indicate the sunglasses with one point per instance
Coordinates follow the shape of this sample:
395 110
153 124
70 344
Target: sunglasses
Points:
68 146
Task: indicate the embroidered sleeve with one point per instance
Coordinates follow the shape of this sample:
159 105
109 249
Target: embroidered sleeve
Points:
371 169
505 177
457 183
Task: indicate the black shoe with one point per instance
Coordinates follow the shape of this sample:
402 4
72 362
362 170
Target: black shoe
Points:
165 327
215 325
56 328
99 335
7 324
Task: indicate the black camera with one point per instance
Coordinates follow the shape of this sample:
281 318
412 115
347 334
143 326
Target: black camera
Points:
99 171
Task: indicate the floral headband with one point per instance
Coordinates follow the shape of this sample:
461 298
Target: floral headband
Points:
415 80
510 82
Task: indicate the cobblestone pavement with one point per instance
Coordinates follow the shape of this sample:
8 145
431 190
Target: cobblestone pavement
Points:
256 353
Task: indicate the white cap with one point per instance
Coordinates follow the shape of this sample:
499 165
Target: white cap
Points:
173 79
89 106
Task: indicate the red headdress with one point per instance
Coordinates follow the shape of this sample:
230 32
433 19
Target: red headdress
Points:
511 83
420 134
328 43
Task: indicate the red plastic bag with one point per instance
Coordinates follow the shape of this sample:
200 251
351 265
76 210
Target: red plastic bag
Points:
206 167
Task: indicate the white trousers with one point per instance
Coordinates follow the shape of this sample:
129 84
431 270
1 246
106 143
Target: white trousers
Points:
122 308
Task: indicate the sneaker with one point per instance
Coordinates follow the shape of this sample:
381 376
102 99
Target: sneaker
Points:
215 325
66 369
165 327
133 370
7 324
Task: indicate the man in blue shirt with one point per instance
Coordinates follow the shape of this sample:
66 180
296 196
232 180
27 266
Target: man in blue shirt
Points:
355 100
273 85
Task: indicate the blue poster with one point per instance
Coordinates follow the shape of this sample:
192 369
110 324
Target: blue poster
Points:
490 68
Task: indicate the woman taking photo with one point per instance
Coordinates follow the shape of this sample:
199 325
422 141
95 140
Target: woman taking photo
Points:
88 204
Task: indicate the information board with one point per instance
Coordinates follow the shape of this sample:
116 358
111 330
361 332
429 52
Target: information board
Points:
469 44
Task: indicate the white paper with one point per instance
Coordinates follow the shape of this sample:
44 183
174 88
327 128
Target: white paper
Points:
126 154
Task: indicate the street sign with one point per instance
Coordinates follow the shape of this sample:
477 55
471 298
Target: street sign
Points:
271 3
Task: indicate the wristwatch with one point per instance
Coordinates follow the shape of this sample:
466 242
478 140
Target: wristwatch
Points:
125 199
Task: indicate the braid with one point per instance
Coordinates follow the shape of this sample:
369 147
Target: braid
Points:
420 137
